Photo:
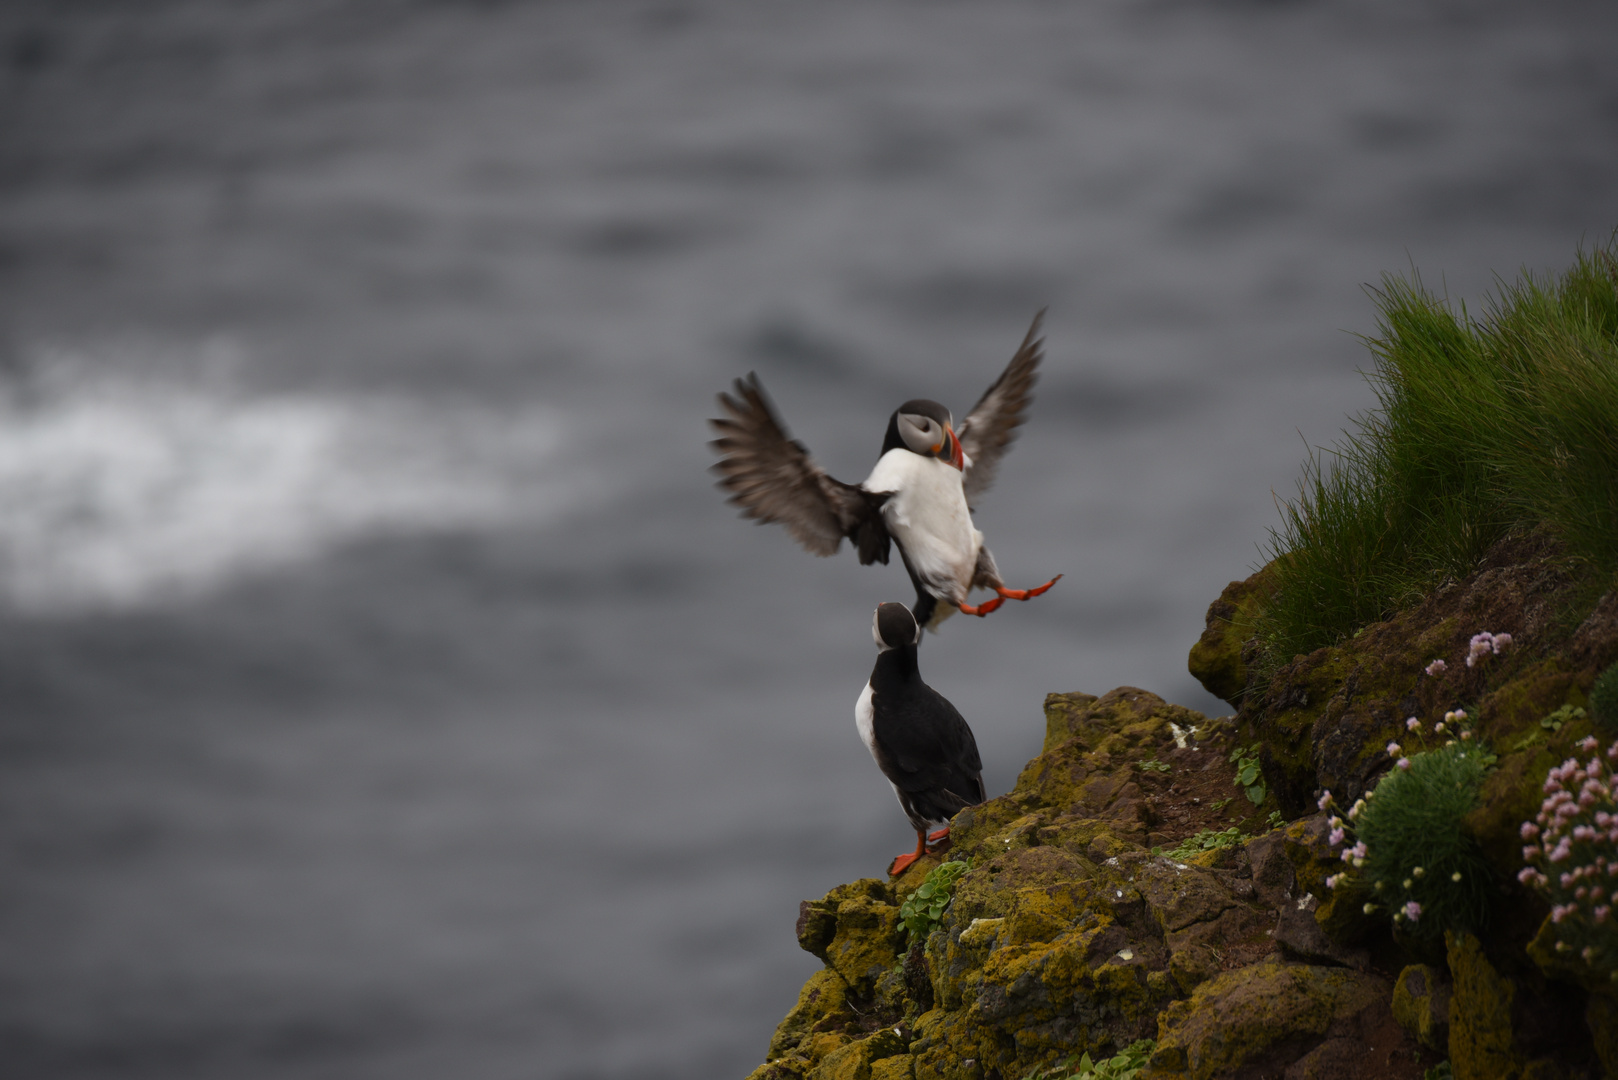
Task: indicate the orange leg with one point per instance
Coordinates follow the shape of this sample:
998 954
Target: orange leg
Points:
1026 594
994 603
901 863
937 835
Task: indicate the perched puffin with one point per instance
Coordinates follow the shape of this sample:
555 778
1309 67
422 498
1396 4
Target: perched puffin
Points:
917 496
919 741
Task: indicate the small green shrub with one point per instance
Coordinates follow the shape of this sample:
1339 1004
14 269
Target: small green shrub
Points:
1124 1065
1248 775
1152 765
923 908
1206 840
1604 701
1414 857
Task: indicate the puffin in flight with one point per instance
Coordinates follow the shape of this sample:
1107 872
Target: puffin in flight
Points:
918 496
919 741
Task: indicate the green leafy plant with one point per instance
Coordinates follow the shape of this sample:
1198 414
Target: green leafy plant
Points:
1124 1065
1206 840
1275 820
1530 739
1248 776
1152 765
1604 701
1484 426
1441 1071
1218 805
923 908
1565 714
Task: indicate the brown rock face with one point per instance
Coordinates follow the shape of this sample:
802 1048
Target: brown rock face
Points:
1081 925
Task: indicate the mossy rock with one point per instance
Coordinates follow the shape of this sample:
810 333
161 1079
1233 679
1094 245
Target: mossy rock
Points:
869 940
1601 1017
1421 1005
1481 1046
1219 659
824 997
858 1060
1604 702
1240 1017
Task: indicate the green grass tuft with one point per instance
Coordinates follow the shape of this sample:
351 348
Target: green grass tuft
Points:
1484 427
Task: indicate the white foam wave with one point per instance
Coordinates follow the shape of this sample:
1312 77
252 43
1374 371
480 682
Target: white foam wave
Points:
124 490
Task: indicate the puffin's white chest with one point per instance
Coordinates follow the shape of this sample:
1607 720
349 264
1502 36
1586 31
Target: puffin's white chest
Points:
864 719
927 514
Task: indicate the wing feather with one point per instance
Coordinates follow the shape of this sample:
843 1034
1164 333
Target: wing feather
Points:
988 430
773 479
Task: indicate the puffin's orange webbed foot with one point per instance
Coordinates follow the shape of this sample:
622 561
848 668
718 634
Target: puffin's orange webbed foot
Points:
937 835
901 863
1026 594
982 609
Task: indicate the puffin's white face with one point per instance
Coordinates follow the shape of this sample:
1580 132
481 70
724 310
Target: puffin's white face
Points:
922 434
876 632
930 435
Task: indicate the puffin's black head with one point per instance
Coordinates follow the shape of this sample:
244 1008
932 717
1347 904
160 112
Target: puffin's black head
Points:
894 627
926 428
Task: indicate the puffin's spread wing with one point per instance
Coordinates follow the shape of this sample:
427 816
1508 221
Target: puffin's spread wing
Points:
991 425
773 478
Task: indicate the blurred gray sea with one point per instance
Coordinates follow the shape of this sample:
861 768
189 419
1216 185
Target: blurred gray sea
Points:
384 689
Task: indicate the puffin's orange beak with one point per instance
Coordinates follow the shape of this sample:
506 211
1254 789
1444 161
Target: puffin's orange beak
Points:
957 457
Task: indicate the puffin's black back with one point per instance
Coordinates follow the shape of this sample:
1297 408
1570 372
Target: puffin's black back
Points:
924 745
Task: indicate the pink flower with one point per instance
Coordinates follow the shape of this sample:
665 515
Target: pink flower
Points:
1403 763
1530 852
1601 913
1588 743
1336 837
1393 748
1527 874
1360 850
1412 911
1502 642
1529 830
1412 724
1436 667
1331 882
1325 801
1348 854
1560 912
